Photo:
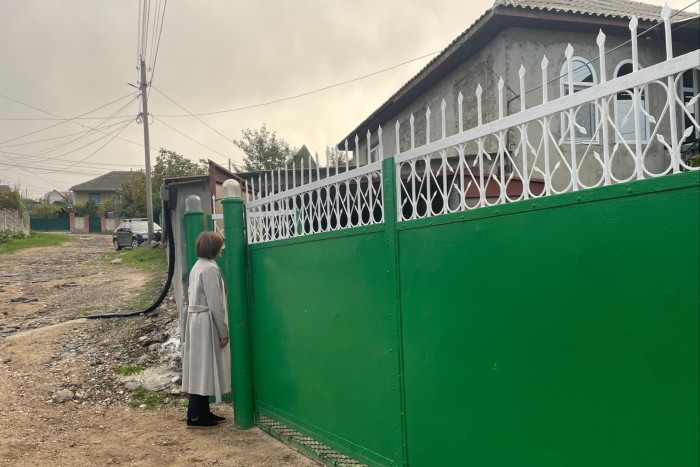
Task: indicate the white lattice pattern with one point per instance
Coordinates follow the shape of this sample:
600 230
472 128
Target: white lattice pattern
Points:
348 199
592 136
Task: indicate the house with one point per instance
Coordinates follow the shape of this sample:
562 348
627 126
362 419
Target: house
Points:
55 196
509 42
102 188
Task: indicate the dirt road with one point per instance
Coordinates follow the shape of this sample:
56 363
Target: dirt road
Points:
62 402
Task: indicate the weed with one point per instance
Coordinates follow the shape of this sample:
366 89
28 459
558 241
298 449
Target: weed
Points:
127 370
142 396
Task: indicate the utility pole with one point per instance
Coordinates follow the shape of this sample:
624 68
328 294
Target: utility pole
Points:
147 145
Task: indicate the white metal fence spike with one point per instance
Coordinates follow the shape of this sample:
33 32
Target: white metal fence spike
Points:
413 133
357 151
545 91
569 51
398 141
460 102
346 156
501 85
294 174
478 105
301 173
443 106
521 78
427 126
369 150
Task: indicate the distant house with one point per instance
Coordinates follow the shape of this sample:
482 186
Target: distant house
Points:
55 196
102 188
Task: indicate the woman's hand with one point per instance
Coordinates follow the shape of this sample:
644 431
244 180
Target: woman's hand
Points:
223 342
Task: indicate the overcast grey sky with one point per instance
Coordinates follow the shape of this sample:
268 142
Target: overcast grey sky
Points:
68 57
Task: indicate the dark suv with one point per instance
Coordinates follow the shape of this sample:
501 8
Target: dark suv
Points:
134 232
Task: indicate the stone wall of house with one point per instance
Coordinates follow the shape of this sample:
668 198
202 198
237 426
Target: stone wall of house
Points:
14 221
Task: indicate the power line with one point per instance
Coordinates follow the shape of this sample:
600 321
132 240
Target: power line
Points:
160 33
190 138
100 148
85 134
55 158
54 115
64 136
304 93
193 115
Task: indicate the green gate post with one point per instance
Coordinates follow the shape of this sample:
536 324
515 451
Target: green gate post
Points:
194 225
242 377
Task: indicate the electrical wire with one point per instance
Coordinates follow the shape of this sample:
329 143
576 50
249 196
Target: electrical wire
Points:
85 134
193 115
190 138
100 148
63 136
63 122
283 99
160 33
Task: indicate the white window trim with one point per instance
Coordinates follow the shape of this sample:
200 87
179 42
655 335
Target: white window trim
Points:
695 89
645 103
564 91
374 154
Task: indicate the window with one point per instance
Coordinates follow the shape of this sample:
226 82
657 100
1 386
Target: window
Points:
95 197
624 109
689 89
586 115
374 154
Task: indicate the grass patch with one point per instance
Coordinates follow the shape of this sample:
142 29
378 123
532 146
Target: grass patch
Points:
127 370
150 399
144 258
150 260
34 241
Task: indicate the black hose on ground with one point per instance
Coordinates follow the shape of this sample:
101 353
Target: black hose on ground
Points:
168 282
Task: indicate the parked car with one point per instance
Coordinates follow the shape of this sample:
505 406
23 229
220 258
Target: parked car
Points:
133 232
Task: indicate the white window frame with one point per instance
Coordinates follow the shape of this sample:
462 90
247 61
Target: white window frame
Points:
646 128
374 154
581 85
694 90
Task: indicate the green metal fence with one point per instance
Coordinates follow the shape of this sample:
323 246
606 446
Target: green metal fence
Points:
561 331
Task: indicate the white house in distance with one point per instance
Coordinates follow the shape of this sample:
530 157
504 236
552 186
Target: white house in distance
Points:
55 196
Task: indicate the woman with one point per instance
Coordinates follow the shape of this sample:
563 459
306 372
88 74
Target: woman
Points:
206 368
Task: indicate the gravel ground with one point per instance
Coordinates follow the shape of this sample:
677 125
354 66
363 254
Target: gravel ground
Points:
63 400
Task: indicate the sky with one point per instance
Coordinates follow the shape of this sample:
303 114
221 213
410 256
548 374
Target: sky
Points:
61 59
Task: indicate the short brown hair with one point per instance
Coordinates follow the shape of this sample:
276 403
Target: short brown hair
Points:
209 244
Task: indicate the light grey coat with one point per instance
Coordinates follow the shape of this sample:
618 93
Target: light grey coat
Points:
206 367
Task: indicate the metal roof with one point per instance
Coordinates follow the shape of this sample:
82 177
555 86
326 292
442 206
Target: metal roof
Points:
485 27
606 8
111 181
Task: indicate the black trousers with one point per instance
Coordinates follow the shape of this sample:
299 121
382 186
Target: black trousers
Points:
198 406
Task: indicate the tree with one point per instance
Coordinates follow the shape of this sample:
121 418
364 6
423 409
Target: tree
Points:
11 198
263 150
132 195
45 211
89 207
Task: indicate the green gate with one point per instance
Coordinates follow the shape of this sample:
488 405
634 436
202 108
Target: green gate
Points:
451 340
48 225
95 225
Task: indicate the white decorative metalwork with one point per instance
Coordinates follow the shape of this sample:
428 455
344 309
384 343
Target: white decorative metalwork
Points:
539 151
521 156
346 199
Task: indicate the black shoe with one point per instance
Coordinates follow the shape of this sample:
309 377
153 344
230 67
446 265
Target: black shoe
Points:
201 422
214 418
